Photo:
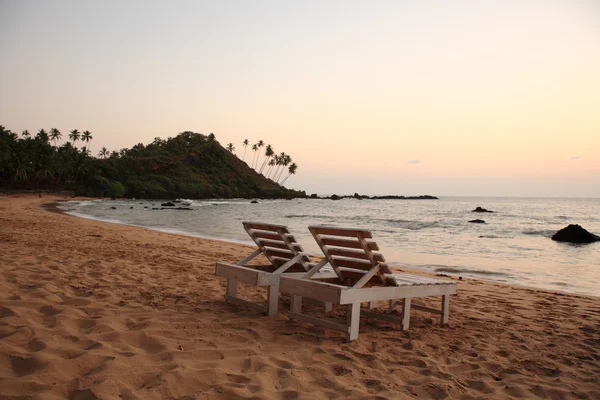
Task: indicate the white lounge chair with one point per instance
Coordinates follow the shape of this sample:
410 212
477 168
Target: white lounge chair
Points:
361 276
285 256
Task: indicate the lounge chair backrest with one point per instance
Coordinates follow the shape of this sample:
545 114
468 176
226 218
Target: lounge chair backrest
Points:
276 243
352 253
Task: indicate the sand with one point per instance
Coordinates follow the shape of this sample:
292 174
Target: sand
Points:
95 310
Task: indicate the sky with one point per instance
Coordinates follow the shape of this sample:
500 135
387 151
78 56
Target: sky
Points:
460 98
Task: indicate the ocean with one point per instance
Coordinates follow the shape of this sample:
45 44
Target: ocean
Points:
513 246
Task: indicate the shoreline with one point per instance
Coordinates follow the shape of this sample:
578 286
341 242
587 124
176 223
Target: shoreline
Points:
110 311
53 207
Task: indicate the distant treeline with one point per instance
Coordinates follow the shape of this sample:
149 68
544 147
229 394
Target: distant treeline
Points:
190 165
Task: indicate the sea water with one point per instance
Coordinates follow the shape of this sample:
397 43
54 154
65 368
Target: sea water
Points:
513 246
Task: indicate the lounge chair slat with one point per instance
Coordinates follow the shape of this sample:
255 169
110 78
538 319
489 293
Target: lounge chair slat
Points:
333 231
271 235
352 263
281 253
335 251
264 227
278 244
351 243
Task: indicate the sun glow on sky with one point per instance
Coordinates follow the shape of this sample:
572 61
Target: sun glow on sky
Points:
384 97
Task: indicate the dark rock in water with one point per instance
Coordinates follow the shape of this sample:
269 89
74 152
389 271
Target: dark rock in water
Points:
113 208
575 234
254 202
479 209
314 196
145 206
131 208
335 197
168 204
477 221
172 208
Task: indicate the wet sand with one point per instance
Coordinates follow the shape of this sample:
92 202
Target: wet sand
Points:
95 310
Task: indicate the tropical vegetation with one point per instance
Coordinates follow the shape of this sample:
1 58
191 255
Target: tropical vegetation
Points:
190 165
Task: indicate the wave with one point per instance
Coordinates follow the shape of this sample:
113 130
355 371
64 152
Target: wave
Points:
308 216
458 270
539 232
411 225
87 216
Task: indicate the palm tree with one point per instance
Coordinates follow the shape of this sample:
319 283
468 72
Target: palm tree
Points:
278 163
245 146
55 135
86 136
268 154
255 148
25 133
271 164
74 135
103 152
260 144
291 171
285 161
42 135
230 148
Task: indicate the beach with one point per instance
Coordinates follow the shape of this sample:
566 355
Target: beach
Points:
95 310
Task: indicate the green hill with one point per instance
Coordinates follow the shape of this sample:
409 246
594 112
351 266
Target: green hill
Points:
190 165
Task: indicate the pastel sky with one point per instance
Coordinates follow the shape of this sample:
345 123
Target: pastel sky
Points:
491 98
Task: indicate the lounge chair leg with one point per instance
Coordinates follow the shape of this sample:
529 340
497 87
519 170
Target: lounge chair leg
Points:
328 306
353 317
445 309
231 288
272 300
392 305
406 314
296 306
372 305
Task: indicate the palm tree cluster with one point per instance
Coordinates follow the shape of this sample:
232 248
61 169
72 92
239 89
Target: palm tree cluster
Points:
40 161
273 166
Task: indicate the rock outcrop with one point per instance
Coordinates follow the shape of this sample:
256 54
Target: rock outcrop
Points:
477 221
482 210
575 234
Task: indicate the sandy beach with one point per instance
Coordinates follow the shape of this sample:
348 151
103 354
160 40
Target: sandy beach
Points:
92 310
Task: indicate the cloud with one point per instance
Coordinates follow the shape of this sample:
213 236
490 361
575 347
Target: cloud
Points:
414 162
575 158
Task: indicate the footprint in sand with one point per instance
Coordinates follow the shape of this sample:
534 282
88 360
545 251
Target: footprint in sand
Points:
22 366
35 345
6 312
149 344
49 311
86 394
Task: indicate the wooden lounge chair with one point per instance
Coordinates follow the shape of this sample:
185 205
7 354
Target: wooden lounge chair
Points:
284 254
361 276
